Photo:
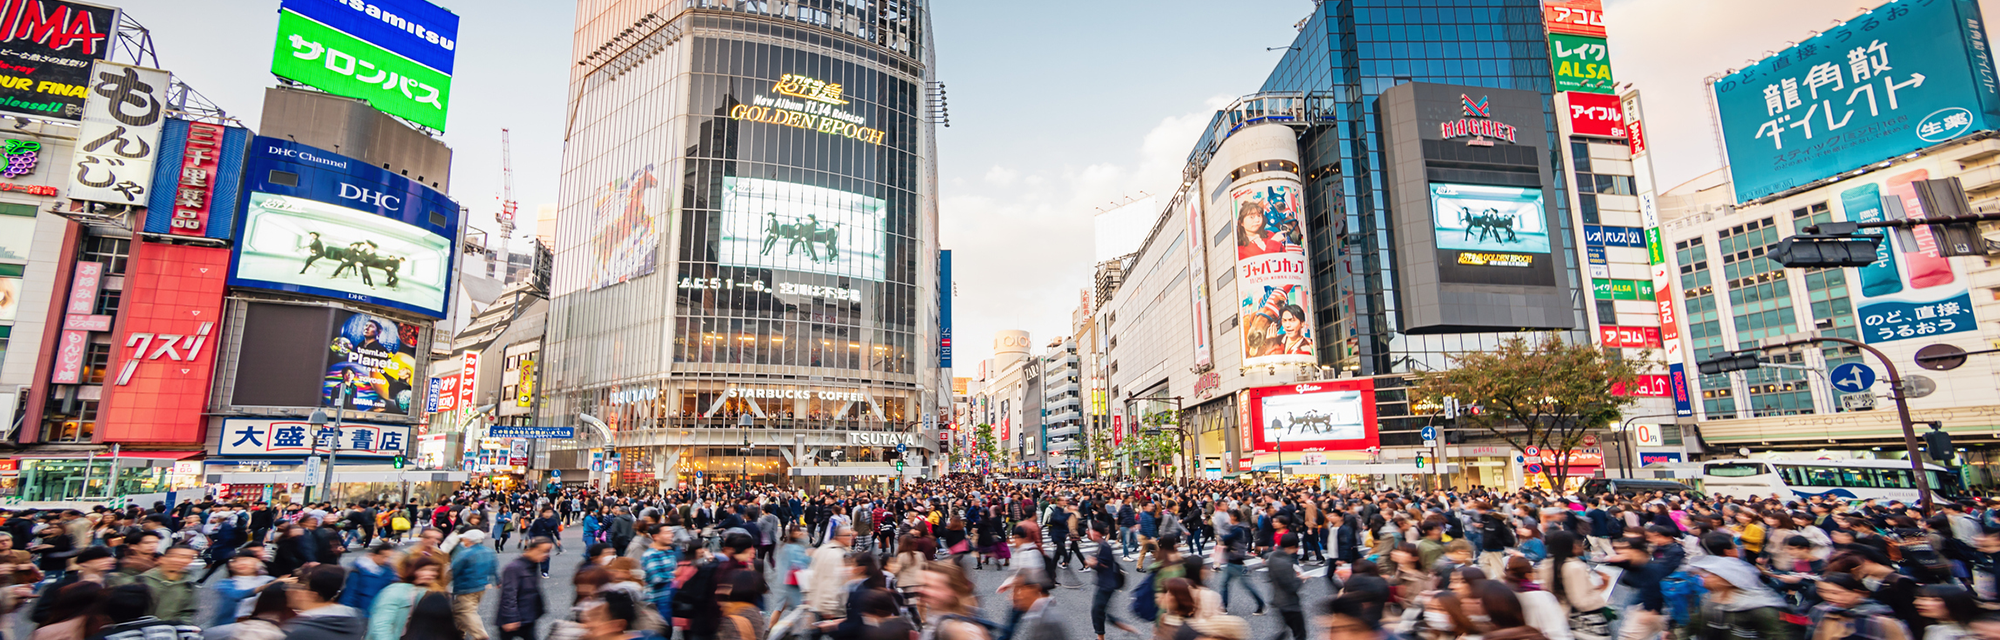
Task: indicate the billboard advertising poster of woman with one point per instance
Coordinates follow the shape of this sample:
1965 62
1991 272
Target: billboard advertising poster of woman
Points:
1271 269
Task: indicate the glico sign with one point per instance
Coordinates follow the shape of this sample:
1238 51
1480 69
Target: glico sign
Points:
1477 124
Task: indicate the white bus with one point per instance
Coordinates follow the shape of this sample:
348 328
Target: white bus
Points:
1847 479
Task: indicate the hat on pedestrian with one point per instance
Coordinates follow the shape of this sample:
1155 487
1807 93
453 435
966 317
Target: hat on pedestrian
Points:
1223 627
472 536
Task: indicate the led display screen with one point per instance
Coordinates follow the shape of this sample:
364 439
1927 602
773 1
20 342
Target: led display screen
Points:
302 245
1484 218
1335 415
794 227
299 356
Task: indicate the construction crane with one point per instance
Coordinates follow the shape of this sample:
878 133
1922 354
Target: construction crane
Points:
507 205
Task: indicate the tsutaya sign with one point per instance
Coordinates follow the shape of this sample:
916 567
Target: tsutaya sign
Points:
818 112
881 438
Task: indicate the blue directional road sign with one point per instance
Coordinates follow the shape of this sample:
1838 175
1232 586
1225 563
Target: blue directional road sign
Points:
1430 433
1853 377
900 447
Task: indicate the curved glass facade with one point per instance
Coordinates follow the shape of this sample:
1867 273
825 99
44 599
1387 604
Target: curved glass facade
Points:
747 236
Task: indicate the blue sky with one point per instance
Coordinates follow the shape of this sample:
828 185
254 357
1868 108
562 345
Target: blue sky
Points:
1058 108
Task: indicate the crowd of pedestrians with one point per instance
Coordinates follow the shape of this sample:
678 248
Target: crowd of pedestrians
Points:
1180 560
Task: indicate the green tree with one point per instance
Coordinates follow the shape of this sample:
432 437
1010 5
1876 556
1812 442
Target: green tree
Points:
982 437
1097 449
1548 394
1158 448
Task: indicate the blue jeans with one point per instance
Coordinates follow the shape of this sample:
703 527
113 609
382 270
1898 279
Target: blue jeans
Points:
1232 573
1129 537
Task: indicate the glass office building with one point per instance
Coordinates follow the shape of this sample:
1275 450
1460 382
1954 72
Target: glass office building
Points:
1345 55
746 251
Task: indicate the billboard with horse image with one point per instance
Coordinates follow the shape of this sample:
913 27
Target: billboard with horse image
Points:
1490 218
1315 416
768 224
294 244
1271 273
624 238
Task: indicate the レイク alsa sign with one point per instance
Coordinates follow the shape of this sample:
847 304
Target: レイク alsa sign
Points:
817 113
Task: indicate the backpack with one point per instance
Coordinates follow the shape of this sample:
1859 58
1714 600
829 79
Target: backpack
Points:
1918 549
1683 592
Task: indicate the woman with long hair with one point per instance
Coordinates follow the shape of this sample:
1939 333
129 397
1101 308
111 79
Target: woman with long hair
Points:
1951 609
1505 617
1574 586
418 608
946 593
1178 606
76 612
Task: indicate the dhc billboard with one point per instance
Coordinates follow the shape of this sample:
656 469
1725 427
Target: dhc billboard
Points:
316 222
1904 76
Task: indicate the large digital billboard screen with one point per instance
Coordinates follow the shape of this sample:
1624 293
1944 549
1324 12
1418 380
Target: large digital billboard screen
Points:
324 224
796 227
1483 218
47 47
1331 415
294 356
303 245
1880 85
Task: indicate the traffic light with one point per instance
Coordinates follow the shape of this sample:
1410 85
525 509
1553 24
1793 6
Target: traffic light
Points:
1420 461
1938 443
1836 245
398 461
1735 361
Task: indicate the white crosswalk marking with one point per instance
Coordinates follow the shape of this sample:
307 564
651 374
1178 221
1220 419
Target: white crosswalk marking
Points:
1089 548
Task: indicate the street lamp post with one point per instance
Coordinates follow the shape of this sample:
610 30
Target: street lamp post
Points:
1734 362
318 422
1625 428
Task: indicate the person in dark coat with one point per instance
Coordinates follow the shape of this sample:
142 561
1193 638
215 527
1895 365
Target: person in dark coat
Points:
294 551
620 529
1283 566
521 604
324 541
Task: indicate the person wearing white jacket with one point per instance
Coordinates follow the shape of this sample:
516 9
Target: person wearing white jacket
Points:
827 590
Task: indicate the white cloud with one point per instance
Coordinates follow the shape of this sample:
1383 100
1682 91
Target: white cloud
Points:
1021 238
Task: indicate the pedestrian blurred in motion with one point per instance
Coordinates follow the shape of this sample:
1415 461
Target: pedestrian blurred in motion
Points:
473 570
950 604
372 572
521 604
269 610
128 609
74 612
238 593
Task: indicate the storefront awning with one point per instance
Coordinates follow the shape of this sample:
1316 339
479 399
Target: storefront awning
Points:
152 455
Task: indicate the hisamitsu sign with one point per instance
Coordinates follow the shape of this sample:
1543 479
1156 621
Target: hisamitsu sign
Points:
539 433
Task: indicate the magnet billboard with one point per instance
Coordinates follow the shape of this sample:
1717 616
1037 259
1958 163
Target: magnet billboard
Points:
1335 415
47 47
1904 77
324 224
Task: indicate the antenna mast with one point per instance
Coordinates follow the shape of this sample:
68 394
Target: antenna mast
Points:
507 205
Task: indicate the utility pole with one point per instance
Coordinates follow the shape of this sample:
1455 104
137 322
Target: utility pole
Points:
318 422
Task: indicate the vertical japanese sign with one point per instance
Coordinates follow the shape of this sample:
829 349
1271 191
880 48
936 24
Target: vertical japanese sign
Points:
120 135
1271 272
1198 276
200 155
945 291
1901 78
468 380
1117 430
431 400
166 345
1582 63
70 346
524 386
